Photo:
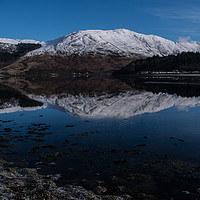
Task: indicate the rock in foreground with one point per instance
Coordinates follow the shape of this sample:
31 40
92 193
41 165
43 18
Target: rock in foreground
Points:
28 184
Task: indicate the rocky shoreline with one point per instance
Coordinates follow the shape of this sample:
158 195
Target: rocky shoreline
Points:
26 183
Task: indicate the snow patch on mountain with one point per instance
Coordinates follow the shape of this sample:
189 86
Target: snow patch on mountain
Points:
121 42
10 45
17 41
124 105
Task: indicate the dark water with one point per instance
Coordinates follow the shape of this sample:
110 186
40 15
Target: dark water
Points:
134 137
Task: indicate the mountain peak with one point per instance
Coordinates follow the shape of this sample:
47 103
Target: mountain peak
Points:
121 42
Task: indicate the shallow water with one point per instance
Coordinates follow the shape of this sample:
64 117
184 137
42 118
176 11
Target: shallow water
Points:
103 131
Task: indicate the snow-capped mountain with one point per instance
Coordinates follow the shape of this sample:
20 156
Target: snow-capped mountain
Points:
123 105
119 42
10 45
17 41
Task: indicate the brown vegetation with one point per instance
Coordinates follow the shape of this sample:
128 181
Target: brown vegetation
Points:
44 63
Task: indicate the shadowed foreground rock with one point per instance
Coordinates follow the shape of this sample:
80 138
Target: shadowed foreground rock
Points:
27 184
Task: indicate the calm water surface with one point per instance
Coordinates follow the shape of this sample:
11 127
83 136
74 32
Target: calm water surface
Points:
99 130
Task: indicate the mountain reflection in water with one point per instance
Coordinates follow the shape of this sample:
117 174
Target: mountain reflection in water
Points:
96 97
97 129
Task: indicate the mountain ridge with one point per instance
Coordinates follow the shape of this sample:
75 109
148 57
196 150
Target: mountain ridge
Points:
121 42
10 45
95 51
17 41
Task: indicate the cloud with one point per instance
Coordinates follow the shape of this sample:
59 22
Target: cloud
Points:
184 39
190 14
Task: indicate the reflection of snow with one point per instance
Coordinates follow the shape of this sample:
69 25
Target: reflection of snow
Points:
13 106
183 108
19 109
123 105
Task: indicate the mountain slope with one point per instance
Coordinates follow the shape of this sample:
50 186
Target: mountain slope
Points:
114 42
95 51
11 50
10 45
185 62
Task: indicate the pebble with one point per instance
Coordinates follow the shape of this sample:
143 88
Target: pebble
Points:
186 192
17 183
